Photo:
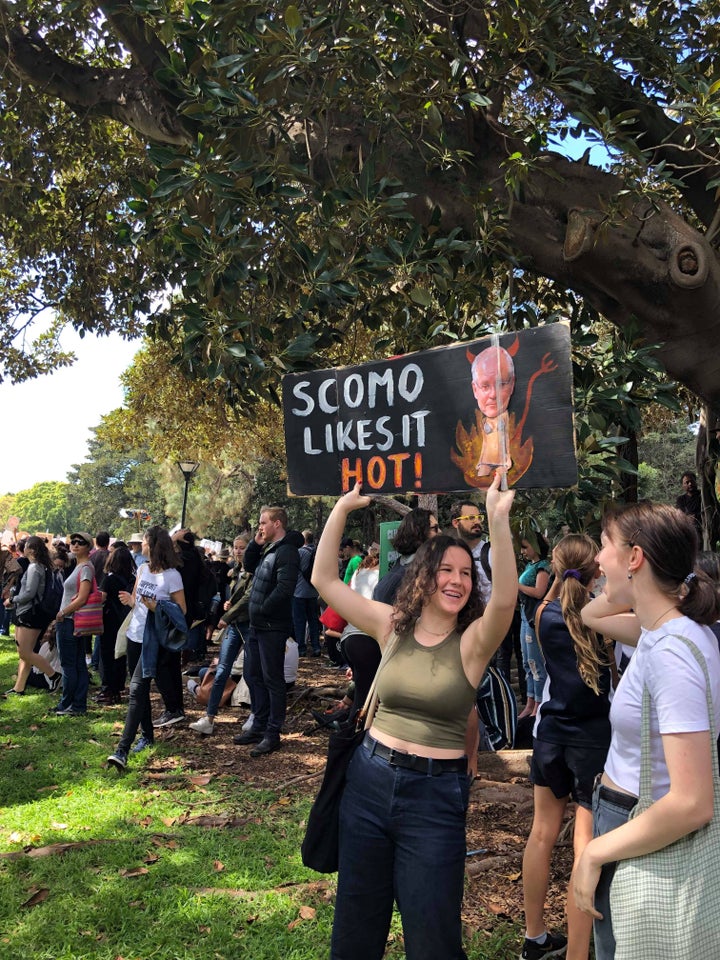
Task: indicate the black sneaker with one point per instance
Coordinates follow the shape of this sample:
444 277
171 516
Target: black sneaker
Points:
12 692
248 736
53 682
554 946
168 718
266 745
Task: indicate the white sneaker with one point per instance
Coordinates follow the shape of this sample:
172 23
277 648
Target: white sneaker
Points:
204 725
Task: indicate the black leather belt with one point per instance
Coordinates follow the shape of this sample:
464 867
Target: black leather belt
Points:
620 799
411 761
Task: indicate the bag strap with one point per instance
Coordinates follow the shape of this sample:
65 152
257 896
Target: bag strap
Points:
645 760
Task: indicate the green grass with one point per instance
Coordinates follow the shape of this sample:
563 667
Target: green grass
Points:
199 891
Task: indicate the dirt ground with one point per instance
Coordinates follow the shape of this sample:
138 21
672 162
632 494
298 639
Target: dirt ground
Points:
499 816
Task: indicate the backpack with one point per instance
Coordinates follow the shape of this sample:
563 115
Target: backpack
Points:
485 559
498 709
48 604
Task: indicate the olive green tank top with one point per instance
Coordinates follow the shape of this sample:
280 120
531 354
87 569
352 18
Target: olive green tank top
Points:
424 694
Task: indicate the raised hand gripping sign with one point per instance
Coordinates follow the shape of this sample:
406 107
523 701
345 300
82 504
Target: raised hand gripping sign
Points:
437 420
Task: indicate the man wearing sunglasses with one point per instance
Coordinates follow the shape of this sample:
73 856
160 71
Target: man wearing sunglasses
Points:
467 518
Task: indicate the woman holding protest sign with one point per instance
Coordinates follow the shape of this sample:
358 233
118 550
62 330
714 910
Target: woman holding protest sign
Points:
402 816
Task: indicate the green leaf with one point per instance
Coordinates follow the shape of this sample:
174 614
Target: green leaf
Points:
293 20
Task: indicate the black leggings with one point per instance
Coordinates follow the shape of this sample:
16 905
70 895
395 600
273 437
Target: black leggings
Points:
363 655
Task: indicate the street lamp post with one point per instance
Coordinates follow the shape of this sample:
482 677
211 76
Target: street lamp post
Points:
188 468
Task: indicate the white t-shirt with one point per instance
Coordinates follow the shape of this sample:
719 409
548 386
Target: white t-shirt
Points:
678 700
156 586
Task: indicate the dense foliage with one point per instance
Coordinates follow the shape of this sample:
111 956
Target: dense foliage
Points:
293 174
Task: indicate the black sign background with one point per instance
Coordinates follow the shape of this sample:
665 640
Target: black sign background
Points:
411 423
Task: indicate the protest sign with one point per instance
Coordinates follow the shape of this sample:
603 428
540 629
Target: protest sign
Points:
437 420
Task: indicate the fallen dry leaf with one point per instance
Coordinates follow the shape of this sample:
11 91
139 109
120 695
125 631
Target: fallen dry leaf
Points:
58 826
151 858
307 913
218 865
293 924
162 842
15 837
37 897
134 872
146 821
201 780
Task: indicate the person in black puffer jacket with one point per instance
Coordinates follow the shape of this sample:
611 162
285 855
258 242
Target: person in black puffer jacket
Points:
273 561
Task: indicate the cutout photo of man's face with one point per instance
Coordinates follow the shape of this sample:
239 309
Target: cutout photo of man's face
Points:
493 369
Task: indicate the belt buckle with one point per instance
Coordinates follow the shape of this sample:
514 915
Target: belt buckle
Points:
391 757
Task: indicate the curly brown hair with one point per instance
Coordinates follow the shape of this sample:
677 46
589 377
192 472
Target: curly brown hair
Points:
420 582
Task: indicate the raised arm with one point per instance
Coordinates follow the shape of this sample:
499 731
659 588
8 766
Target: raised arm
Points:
368 615
611 620
484 636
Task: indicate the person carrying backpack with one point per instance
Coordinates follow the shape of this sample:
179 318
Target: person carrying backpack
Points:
34 607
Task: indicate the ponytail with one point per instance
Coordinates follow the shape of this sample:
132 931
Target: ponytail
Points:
574 561
700 598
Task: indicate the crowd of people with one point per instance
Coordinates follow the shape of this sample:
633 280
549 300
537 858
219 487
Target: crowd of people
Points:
594 627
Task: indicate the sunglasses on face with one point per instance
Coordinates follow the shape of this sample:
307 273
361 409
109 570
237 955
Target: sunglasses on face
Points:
78 543
469 516
435 527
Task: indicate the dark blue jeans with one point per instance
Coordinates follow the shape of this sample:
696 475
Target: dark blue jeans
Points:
402 837
229 649
74 667
306 610
264 672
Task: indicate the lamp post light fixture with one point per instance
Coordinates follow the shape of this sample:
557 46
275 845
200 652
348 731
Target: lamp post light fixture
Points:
188 468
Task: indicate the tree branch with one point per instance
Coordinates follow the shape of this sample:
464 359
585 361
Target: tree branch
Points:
127 95
146 49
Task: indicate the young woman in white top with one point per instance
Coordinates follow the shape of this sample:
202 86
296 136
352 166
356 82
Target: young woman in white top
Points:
157 579
648 556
